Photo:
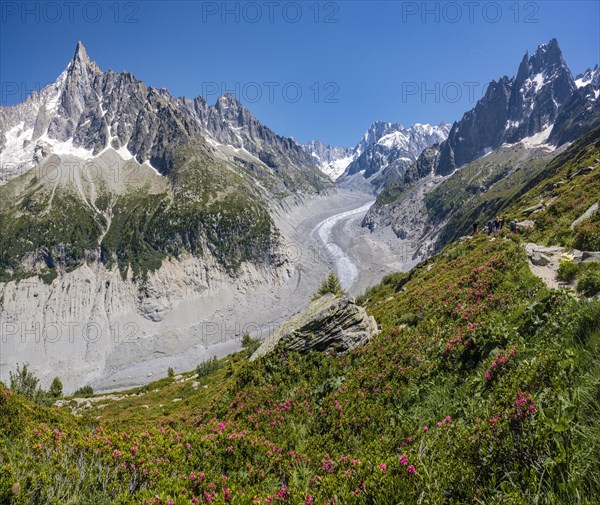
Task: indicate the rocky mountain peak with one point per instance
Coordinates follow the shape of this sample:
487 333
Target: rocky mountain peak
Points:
92 110
512 109
547 56
590 76
81 54
81 66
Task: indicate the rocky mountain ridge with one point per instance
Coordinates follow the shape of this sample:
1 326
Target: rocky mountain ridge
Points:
382 154
512 108
499 145
87 111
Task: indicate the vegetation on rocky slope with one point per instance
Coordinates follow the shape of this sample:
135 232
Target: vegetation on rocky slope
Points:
205 207
481 387
567 187
511 180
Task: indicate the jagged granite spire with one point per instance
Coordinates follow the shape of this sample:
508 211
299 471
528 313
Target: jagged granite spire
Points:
97 110
512 109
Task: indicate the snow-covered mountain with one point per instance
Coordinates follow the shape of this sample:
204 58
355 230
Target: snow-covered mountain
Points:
581 112
386 150
590 76
512 108
87 111
515 127
330 159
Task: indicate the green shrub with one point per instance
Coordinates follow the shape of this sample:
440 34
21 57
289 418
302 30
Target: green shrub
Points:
250 344
170 372
56 388
207 367
589 322
85 390
390 283
567 270
332 285
587 234
24 382
589 281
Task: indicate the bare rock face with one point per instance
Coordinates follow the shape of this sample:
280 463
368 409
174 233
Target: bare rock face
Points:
329 323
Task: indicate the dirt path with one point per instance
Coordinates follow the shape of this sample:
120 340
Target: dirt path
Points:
544 261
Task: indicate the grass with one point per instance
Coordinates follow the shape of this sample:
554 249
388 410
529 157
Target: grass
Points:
566 196
481 387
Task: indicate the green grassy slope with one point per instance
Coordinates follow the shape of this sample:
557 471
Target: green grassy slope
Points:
481 388
566 192
483 189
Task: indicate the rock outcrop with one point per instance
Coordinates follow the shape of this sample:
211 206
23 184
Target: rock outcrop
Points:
329 323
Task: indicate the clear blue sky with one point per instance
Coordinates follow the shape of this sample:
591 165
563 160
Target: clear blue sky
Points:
379 56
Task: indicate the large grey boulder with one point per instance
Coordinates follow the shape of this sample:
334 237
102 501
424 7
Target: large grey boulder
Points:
588 213
329 323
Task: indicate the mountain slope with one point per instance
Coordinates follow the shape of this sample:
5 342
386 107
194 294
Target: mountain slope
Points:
477 369
125 208
88 111
501 146
581 113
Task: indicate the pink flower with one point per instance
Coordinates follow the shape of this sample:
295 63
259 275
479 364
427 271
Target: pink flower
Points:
383 467
488 374
403 459
425 428
411 470
117 454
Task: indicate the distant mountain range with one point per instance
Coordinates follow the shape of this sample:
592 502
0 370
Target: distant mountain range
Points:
542 99
331 160
383 154
187 157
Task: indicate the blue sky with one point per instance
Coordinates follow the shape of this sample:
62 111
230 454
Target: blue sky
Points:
309 69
